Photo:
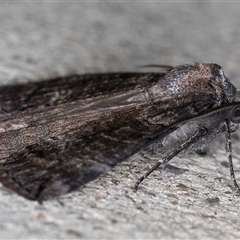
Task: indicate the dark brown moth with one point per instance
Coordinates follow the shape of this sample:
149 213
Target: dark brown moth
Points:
59 134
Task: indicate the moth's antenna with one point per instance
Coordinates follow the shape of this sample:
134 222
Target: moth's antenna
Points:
228 147
163 67
200 133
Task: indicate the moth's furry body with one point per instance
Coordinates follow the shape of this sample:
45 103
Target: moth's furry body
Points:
60 134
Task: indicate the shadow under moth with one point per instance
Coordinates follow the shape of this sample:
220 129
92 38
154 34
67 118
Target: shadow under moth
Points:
59 134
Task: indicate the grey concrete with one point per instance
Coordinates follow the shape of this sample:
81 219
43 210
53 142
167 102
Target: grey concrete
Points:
193 197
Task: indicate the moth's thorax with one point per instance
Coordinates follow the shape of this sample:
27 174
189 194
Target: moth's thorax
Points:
187 81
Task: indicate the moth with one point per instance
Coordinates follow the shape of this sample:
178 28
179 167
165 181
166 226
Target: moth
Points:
59 134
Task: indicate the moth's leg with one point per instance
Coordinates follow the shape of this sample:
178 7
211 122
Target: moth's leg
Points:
200 133
228 146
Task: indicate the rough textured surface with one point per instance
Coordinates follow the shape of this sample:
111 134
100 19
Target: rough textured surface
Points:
192 197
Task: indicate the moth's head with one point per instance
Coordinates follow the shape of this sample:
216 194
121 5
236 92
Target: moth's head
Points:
235 118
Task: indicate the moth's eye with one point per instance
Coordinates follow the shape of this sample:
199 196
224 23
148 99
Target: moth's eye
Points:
236 115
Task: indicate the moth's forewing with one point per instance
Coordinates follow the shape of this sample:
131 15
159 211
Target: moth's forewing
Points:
70 132
37 96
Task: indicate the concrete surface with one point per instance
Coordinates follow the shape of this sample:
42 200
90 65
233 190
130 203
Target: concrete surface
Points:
192 198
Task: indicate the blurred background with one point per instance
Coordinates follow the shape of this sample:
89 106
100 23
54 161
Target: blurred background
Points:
194 199
40 40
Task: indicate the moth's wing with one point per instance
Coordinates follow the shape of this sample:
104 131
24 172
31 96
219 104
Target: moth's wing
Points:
75 150
36 96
